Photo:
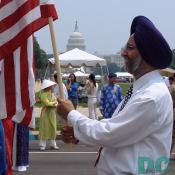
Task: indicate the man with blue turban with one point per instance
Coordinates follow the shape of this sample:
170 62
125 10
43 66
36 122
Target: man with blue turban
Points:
137 139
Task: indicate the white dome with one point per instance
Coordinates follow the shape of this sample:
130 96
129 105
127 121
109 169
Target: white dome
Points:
76 34
76 40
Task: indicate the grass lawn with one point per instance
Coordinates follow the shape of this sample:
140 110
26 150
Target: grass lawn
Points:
125 87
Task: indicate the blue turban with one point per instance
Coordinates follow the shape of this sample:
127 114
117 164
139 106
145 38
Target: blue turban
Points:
151 44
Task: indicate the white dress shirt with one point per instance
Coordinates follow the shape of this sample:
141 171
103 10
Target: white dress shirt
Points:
142 128
57 94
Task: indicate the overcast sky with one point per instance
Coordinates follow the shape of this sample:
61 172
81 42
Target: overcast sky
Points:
105 24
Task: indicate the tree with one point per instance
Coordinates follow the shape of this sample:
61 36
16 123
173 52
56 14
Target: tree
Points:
113 68
41 60
173 62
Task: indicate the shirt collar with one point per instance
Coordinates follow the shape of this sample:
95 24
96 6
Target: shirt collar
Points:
145 79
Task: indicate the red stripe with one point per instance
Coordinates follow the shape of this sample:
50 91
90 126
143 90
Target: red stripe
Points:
18 14
4 2
24 73
48 10
9 76
24 34
28 116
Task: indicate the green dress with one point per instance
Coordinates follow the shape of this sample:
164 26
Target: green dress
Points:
48 126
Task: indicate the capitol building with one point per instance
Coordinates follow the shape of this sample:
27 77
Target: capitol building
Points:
76 40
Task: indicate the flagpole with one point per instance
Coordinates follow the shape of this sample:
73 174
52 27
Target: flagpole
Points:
57 65
56 57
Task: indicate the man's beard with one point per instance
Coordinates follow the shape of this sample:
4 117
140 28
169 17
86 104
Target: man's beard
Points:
132 64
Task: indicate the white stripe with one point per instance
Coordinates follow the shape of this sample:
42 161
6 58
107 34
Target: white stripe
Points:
16 57
37 152
18 117
32 122
45 2
31 76
3 111
10 8
1 65
10 33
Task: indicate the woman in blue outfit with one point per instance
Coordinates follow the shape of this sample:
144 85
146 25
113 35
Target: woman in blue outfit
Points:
73 89
3 165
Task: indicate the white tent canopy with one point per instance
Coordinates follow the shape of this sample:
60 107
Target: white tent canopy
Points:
80 74
78 58
124 74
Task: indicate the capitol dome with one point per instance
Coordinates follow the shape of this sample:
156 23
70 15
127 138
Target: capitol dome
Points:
76 40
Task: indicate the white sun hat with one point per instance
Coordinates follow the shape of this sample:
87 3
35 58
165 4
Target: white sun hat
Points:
47 83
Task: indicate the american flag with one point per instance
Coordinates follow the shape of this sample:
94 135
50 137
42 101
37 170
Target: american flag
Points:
19 20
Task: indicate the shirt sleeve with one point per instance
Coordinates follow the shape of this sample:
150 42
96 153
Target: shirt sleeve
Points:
65 91
46 101
135 122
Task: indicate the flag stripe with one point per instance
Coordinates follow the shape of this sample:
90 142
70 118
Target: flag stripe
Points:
28 116
4 2
12 18
24 71
10 8
19 84
18 27
3 112
19 20
48 10
32 21
31 68
9 72
16 55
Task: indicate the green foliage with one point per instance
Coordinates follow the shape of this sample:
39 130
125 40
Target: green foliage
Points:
173 62
112 67
41 60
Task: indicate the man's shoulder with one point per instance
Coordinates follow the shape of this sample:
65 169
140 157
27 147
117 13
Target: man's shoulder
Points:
105 86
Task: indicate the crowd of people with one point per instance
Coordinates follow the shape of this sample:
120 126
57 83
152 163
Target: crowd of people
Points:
138 125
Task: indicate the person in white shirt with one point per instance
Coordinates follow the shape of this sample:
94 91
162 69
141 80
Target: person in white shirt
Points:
137 139
56 88
92 88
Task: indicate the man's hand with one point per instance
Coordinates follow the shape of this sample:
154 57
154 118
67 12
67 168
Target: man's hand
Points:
67 134
64 107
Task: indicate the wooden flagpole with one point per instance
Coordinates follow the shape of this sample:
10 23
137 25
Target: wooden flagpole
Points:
57 65
56 57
